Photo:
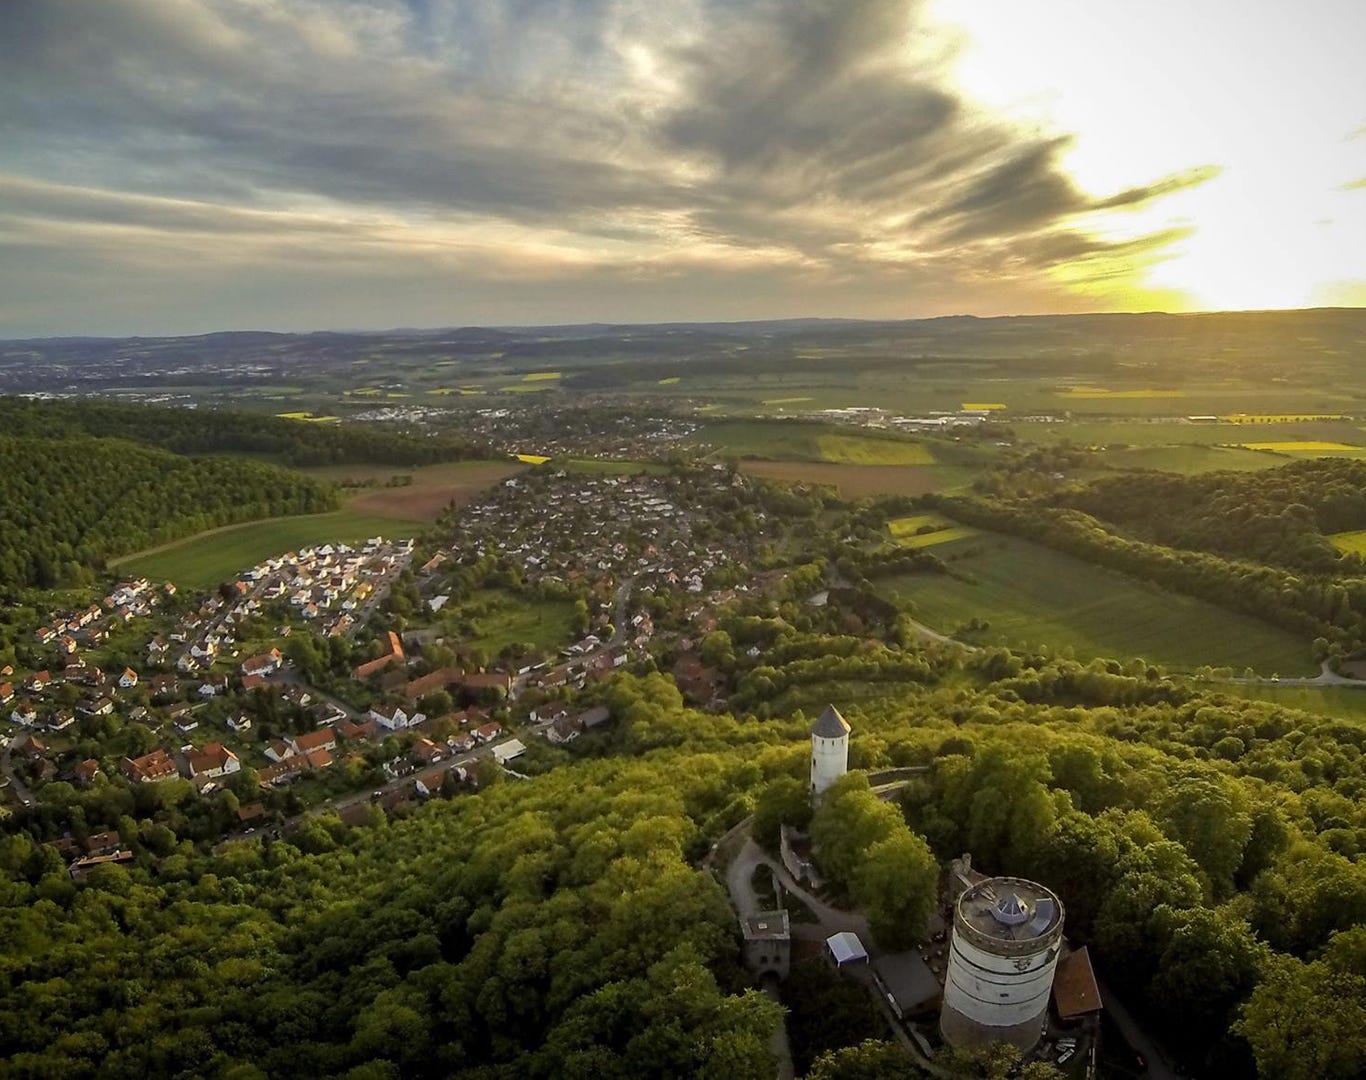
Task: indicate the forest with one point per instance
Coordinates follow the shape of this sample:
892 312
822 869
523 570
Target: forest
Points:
1279 516
224 431
69 503
1207 849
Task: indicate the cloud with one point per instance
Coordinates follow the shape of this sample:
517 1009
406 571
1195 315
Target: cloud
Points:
815 141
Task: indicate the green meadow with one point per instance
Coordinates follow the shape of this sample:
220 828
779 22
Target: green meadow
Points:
1032 596
210 558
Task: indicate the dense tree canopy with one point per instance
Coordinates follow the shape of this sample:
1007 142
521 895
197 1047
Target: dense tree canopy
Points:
67 504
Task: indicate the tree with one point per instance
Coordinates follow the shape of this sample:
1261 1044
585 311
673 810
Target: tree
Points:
897 887
783 801
869 1060
1307 1022
1206 815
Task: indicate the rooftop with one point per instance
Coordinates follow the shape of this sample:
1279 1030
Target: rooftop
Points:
1075 992
1010 909
767 926
830 724
846 947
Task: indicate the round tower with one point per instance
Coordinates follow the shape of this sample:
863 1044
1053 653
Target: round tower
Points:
829 750
1006 935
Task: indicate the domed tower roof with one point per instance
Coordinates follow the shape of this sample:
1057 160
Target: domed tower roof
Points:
1010 910
830 724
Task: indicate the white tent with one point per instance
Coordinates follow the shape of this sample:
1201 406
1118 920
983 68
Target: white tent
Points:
845 948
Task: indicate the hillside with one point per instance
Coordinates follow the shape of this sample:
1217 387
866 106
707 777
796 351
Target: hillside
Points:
559 927
69 503
223 431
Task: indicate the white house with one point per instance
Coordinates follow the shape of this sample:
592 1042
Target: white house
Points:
394 718
214 760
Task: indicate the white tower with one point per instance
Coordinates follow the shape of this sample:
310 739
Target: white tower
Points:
1006 937
829 750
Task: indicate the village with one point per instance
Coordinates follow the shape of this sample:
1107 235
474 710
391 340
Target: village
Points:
340 677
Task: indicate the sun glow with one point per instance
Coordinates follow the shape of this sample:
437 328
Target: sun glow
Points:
1263 93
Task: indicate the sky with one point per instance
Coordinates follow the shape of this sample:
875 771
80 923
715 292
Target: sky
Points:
182 166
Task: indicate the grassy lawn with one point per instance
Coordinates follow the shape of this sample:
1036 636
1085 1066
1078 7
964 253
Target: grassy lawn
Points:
205 560
492 619
1033 596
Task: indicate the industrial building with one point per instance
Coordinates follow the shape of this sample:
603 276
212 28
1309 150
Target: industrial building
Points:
1007 934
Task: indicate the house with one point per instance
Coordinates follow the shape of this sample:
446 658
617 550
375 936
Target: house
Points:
318 759
38 682
81 866
488 732
212 686
487 680
128 679
461 742
239 722
594 717
60 721
150 768
164 687
253 682
251 812
45 635
326 713
6 693
86 771
563 729
100 843
24 714
277 750
281 773
262 665
100 706
393 654
213 760
67 644
429 783
29 746
393 718
430 684
507 751
322 739
1075 991
349 729
427 751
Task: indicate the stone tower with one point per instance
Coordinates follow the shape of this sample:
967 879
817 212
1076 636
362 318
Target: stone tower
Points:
829 750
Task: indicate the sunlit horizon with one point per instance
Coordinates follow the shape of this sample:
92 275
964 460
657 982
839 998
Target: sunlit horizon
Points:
212 164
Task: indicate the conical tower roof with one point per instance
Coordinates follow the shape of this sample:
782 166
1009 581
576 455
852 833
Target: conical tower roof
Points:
830 724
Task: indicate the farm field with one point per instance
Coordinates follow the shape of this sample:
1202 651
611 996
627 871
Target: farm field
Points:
209 558
1190 460
857 481
1033 596
1309 448
1172 432
433 487
492 619
856 450
926 530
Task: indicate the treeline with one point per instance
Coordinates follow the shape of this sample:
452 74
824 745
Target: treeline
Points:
68 504
1278 516
222 431
1325 607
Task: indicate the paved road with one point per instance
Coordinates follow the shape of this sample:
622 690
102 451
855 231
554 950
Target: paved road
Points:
1326 677
1135 1036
